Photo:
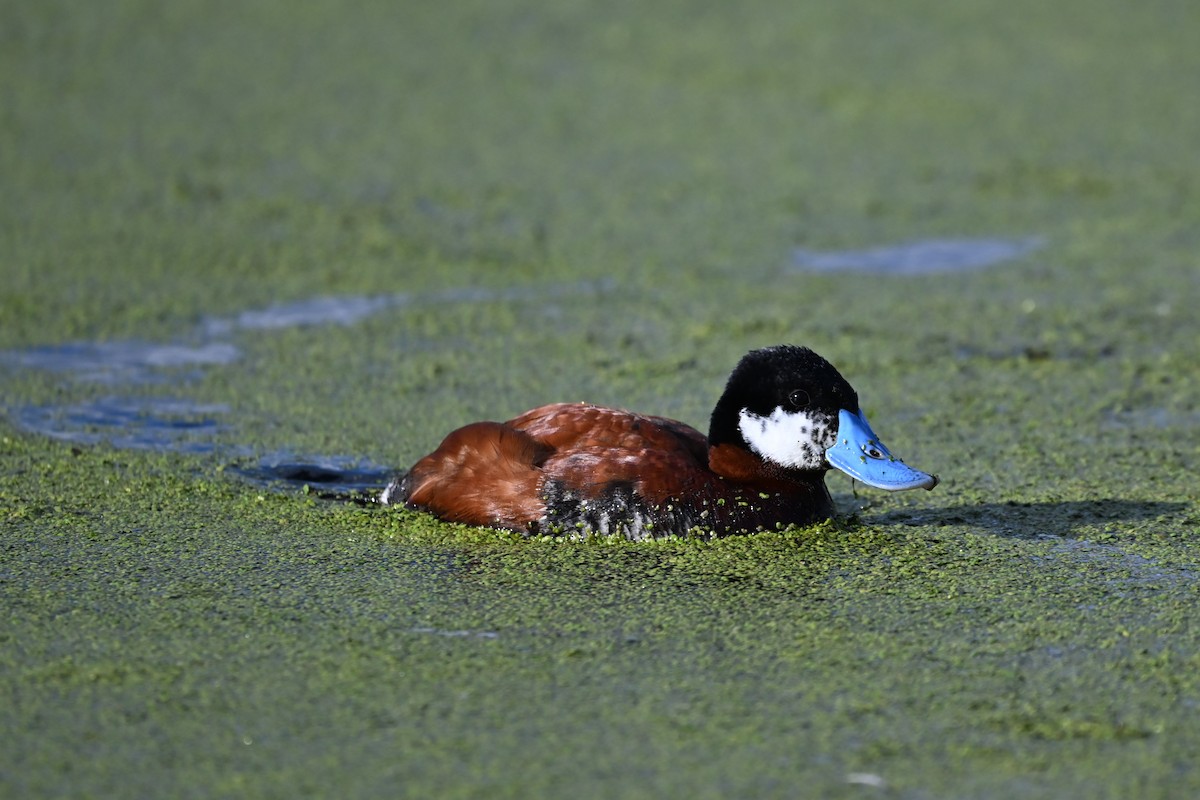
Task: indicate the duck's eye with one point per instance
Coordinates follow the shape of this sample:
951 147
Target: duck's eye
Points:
873 450
799 398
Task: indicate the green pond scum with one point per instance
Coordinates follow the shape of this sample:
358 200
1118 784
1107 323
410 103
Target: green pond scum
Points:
340 230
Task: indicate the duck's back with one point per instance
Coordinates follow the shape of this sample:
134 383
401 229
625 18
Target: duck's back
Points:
618 472
579 426
561 466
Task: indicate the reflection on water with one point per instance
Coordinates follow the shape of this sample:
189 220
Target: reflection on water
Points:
922 257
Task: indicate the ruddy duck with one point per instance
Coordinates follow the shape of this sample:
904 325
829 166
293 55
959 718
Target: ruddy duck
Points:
786 416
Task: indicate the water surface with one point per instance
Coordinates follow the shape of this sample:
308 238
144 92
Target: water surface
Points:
918 257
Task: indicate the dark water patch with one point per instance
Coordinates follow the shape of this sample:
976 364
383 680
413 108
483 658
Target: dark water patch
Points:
333 477
921 257
138 423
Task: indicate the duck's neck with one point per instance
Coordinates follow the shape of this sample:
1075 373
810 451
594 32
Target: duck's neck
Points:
738 464
757 495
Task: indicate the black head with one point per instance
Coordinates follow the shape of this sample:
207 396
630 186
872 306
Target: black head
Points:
783 403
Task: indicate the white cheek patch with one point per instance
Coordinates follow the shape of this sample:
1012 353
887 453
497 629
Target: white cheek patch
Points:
792 439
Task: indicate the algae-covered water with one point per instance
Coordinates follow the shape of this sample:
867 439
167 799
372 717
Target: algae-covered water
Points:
247 248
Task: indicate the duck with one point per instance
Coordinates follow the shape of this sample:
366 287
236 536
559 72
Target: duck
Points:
784 419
